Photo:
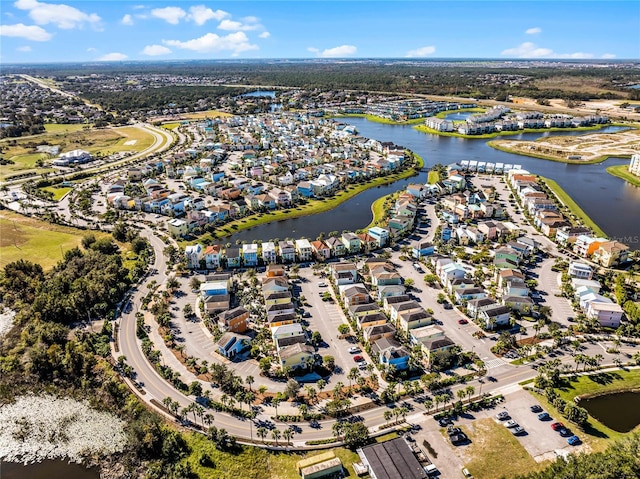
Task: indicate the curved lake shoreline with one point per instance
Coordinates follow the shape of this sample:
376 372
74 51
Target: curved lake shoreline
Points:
622 171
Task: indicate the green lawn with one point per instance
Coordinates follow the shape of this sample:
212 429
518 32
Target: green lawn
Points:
171 126
566 200
622 171
491 445
378 210
58 128
27 238
253 462
58 192
433 177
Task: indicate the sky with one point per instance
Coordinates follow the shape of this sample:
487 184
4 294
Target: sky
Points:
34 31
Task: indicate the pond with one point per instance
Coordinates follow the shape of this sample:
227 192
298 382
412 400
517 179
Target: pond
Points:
618 411
462 115
47 470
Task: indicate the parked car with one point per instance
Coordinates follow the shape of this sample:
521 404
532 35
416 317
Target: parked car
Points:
564 432
573 440
544 416
322 284
511 423
462 321
358 358
502 415
444 422
556 426
354 349
457 439
451 430
517 430
362 364
447 306
535 408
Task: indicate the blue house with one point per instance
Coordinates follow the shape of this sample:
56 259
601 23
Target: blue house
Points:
217 176
305 189
445 233
381 235
232 344
391 353
422 248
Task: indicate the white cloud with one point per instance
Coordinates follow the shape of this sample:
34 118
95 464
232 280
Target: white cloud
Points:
155 50
533 31
25 48
313 50
527 50
250 23
91 49
421 52
531 50
341 51
234 42
609 56
29 32
63 16
127 20
264 35
171 15
112 57
201 14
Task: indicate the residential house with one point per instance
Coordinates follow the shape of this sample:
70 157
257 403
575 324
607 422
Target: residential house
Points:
234 320
580 270
215 303
193 255
396 308
569 234
234 259
303 249
231 344
344 272
611 253
275 271
474 306
351 242
277 297
297 356
422 248
281 320
212 256
287 251
607 314
381 235
586 245
389 301
505 257
336 246
354 294
279 308
496 315
466 294
177 227
373 333
369 320
391 353
433 346
269 252
413 318
287 335
521 303
320 250
250 254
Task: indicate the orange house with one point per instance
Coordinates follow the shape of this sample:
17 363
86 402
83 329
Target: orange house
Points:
234 320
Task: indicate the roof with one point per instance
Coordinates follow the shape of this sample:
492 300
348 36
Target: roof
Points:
437 343
393 460
289 351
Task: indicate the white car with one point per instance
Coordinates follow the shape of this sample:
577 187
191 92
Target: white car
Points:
322 284
354 349
511 423
502 415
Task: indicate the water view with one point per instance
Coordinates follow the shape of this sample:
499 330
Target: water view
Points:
597 192
47 470
618 411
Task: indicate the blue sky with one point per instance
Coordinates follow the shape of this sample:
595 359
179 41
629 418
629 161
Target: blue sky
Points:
43 31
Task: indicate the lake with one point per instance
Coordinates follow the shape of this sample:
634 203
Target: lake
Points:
48 469
597 192
618 411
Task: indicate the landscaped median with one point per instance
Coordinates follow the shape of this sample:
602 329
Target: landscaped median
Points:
573 207
622 171
313 206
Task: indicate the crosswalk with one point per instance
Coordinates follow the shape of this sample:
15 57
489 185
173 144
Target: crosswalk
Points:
493 363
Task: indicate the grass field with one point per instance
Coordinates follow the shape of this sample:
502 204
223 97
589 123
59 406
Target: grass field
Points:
58 192
495 453
253 462
198 115
22 151
171 126
622 171
433 177
27 238
377 208
566 200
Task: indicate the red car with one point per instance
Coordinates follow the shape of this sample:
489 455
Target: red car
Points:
557 425
462 321
358 358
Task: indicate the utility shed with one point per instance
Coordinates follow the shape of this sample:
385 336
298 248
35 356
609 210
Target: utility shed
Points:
332 468
391 460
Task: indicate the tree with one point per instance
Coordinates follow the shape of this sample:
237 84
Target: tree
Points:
337 429
356 435
470 390
249 380
344 329
292 388
388 415
316 338
311 393
262 433
195 388
329 362
276 435
287 434
354 374
321 384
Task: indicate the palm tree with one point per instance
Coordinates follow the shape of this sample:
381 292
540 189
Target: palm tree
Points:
287 434
208 419
428 404
276 434
275 402
470 390
387 415
353 375
249 380
262 433
311 393
403 412
338 429
321 384
438 400
461 393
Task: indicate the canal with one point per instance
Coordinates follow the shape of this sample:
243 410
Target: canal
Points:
611 202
